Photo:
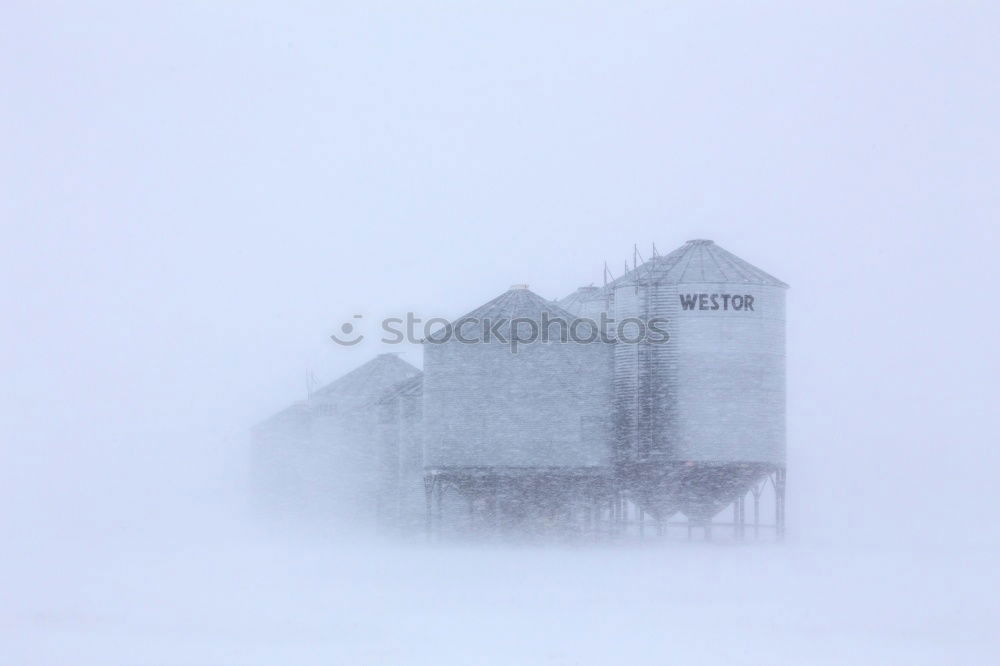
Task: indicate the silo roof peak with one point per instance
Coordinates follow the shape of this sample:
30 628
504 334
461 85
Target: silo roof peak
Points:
698 261
514 304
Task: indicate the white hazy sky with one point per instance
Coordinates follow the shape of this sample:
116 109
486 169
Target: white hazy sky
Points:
194 194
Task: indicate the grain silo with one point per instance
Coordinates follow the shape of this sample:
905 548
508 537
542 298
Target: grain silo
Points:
521 432
344 474
400 456
318 458
588 302
278 459
701 418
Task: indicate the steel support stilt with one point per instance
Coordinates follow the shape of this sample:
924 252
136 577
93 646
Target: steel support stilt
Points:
736 518
439 491
756 510
624 514
779 502
428 494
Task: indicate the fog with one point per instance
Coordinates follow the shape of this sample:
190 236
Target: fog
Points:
195 196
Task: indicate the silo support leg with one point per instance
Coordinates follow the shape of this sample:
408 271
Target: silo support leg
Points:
430 481
779 502
439 491
738 517
495 489
491 511
756 510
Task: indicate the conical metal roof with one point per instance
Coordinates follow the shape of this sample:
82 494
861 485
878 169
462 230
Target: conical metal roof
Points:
359 386
518 302
408 387
574 301
698 261
295 414
368 381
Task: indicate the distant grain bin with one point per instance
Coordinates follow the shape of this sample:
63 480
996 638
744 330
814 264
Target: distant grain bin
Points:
278 459
401 456
702 417
588 302
344 471
319 457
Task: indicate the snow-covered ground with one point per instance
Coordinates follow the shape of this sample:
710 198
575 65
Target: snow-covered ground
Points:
222 601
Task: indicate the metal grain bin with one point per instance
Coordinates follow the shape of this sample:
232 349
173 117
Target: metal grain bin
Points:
589 302
278 458
343 475
714 395
716 391
546 406
401 457
319 457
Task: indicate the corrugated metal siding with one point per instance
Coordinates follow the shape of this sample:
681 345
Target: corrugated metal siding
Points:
730 380
716 391
321 457
627 384
546 406
400 445
663 360
278 447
